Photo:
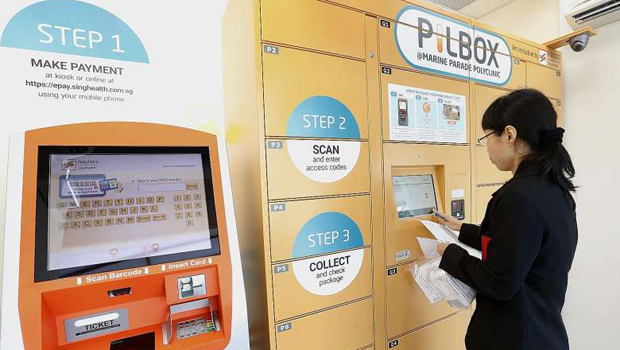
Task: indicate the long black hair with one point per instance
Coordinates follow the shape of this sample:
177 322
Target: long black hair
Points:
532 115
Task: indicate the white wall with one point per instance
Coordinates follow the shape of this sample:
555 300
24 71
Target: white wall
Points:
591 91
536 20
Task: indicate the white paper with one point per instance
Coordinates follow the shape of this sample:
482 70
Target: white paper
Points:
429 247
444 234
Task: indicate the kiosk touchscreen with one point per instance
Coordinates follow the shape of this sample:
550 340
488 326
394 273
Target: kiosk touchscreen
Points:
124 243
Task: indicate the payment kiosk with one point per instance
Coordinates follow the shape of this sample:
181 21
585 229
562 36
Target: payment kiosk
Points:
121 236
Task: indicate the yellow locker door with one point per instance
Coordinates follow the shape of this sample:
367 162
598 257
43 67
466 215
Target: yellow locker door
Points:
483 97
484 194
407 306
385 8
307 285
313 168
447 334
486 172
547 80
317 226
329 102
314 24
391 8
370 6
348 327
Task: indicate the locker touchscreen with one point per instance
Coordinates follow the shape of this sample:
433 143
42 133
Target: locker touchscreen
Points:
414 195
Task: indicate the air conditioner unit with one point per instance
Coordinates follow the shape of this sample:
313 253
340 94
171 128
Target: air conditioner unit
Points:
593 13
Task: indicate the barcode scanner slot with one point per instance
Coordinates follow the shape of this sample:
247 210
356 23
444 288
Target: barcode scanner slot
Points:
119 292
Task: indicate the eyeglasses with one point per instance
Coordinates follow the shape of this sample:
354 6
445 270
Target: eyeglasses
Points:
483 140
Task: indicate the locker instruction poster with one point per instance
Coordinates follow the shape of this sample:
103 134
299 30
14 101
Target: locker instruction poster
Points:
426 115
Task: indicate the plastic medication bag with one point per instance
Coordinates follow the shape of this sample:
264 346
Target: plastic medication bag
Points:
438 285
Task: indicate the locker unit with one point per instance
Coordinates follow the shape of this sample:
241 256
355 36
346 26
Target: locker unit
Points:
353 120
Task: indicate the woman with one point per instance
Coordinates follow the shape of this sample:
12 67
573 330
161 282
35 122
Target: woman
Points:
529 233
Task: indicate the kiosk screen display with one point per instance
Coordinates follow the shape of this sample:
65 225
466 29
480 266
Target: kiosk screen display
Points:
414 195
134 206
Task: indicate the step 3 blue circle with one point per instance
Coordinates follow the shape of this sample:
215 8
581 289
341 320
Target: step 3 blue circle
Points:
326 233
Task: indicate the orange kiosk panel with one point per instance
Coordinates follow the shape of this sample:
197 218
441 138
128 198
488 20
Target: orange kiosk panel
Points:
125 241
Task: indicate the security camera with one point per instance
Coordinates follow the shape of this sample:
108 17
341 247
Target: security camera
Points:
579 42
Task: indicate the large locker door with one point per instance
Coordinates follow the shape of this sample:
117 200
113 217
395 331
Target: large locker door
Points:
349 327
407 306
330 102
443 335
314 24
547 80
486 172
315 227
311 284
311 168
484 194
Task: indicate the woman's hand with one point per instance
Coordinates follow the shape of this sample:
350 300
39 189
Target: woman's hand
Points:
441 247
449 222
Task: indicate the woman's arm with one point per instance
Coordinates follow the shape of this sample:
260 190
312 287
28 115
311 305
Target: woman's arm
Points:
517 225
470 235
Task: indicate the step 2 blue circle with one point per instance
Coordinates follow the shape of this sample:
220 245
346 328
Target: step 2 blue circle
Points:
322 116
